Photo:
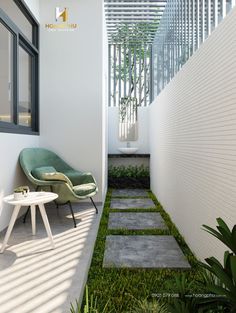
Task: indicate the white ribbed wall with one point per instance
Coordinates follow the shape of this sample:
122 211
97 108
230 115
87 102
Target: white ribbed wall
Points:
193 141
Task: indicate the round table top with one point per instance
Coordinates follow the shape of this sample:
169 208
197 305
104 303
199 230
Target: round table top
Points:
37 197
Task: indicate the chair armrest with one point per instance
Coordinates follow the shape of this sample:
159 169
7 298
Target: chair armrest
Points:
79 178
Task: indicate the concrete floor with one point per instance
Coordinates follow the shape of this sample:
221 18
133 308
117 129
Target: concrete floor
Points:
36 279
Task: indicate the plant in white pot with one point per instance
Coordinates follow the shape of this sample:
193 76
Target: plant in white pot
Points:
21 192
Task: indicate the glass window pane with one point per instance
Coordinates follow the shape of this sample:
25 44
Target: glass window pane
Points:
6 77
24 109
15 14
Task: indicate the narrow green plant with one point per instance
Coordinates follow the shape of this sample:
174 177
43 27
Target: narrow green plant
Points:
90 305
146 306
183 286
183 301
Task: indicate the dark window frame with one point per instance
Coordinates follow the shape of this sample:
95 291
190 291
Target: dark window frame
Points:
20 40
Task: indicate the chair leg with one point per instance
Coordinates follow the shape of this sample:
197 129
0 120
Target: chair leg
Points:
94 205
72 213
25 216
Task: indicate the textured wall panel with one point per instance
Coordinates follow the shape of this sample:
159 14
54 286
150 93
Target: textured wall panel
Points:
193 140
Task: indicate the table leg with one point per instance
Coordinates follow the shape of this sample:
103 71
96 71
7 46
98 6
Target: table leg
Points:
46 223
10 227
33 219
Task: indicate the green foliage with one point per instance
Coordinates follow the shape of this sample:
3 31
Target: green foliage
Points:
224 234
133 66
225 286
181 285
90 306
128 109
227 276
187 302
183 301
179 306
146 306
128 171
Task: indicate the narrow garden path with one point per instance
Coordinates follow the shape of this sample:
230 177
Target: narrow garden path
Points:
139 251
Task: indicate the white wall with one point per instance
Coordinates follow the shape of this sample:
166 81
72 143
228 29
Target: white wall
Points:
113 131
105 110
11 175
193 141
72 87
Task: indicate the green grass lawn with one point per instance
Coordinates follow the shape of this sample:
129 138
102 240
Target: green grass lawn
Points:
120 289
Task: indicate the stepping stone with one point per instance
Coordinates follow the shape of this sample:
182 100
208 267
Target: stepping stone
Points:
129 193
134 221
132 204
144 252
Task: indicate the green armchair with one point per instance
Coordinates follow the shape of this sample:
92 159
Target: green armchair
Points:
47 171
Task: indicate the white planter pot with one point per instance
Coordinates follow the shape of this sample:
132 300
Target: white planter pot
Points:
19 195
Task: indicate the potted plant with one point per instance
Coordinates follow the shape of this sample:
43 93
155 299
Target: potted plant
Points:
21 192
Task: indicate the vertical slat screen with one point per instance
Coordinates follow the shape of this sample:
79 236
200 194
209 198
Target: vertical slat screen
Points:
130 73
185 24
114 74
119 72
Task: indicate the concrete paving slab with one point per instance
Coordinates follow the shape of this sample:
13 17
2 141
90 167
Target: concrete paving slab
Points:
132 204
129 193
133 220
143 252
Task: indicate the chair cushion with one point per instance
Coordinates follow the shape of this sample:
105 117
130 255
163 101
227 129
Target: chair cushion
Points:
50 173
84 189
40 171
78 178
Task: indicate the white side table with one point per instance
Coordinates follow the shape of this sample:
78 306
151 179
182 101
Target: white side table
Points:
33 199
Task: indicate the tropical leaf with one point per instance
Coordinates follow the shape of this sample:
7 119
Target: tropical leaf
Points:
227 263
224 295
233 268
220 272
224 234
212 231
222 224
234 237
